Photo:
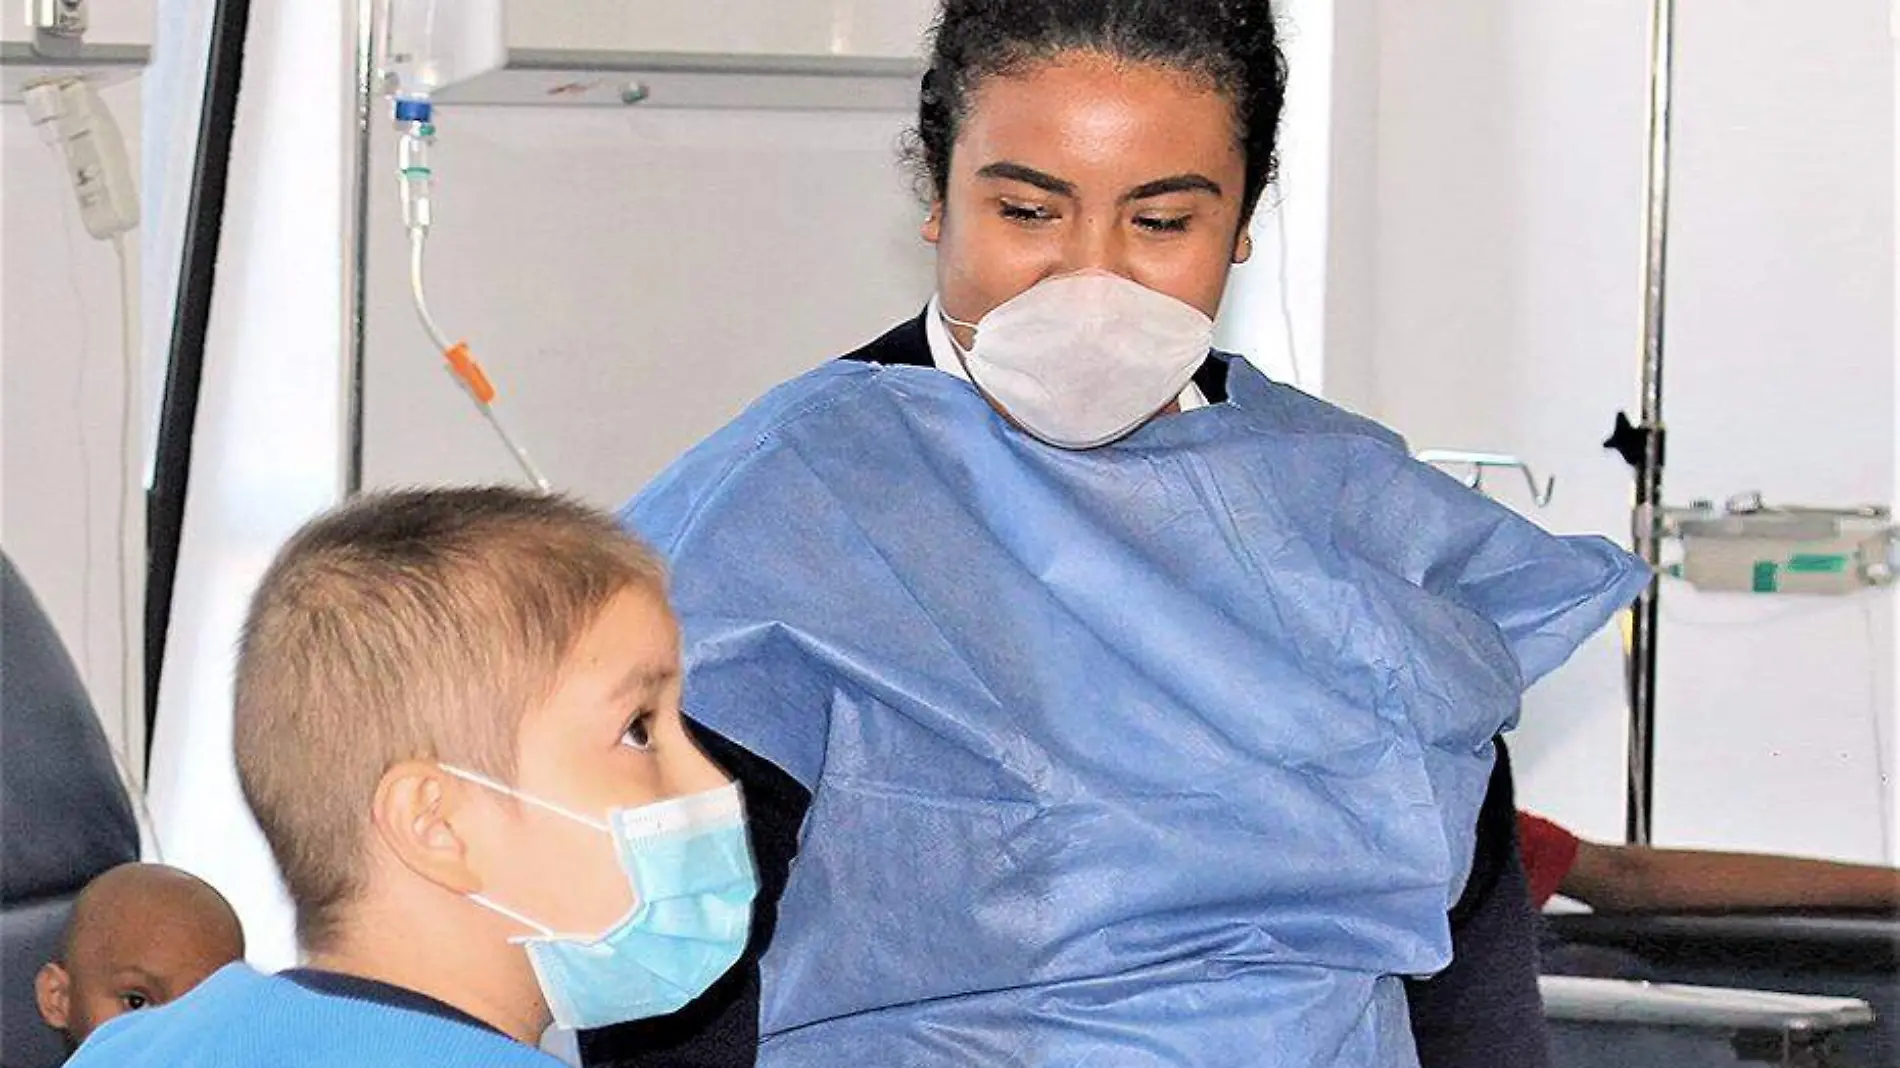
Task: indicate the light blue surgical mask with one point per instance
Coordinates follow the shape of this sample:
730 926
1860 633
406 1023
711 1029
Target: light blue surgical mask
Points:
693 885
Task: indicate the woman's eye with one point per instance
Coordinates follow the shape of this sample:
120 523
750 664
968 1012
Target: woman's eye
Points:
1162 224
639 733
1025 212
134 1000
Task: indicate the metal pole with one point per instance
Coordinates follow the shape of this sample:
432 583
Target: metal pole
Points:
1649 473
356 263
184 372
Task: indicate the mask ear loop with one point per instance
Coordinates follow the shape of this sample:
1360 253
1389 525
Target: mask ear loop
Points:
542 930
951 320
526 799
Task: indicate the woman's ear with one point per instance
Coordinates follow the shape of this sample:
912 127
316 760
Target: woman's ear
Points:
421 814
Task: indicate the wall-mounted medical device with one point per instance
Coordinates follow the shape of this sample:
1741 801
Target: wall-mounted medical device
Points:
852 55
70 115
1749 546
100 41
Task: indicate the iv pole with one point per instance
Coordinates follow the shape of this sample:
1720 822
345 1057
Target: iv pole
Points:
1642 444
356 265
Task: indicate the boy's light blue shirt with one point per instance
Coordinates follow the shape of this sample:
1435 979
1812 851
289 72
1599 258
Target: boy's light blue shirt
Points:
240 1018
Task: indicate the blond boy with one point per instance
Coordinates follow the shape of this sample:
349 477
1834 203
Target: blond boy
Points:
458 724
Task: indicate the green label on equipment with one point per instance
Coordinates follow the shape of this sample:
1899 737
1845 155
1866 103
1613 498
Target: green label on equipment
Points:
1818 564
1767 576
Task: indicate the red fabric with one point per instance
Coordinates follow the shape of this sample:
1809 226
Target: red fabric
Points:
1549 854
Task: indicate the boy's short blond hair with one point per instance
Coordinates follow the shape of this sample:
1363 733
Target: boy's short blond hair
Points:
418 625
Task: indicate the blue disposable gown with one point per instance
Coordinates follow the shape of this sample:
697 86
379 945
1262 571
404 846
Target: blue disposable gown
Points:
1166 753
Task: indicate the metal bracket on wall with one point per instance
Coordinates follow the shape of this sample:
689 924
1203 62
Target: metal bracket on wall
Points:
1470 467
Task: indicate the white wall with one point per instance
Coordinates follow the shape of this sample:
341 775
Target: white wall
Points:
1350 293
1274 310
63 456
1504 299
631 279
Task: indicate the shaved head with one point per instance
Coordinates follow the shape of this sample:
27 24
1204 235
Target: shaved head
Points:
139 936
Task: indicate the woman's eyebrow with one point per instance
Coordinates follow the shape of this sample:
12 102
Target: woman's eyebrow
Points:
1180 183
1017 172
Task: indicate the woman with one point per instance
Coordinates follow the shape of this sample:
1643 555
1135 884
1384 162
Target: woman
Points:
1117 705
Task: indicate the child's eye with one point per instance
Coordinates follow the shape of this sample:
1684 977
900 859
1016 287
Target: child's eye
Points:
639 733
134 1000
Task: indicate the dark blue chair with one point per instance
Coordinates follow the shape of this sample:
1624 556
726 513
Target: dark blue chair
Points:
64 813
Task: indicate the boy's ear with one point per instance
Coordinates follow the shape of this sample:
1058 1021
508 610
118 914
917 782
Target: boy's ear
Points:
415 812
53 987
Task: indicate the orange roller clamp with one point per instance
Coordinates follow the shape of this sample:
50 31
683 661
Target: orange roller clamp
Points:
470 372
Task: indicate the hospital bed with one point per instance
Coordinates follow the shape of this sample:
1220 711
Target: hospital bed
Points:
1797 989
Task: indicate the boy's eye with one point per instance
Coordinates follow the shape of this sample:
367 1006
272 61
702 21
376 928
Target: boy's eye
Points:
134 1000
639 733
1164 224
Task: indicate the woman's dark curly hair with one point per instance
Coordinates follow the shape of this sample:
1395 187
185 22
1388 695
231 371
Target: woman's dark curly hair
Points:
1234 44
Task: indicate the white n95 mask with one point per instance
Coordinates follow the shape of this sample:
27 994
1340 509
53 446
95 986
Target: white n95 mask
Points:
693 885
1085 359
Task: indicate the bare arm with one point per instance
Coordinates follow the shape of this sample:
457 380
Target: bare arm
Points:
1633 879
